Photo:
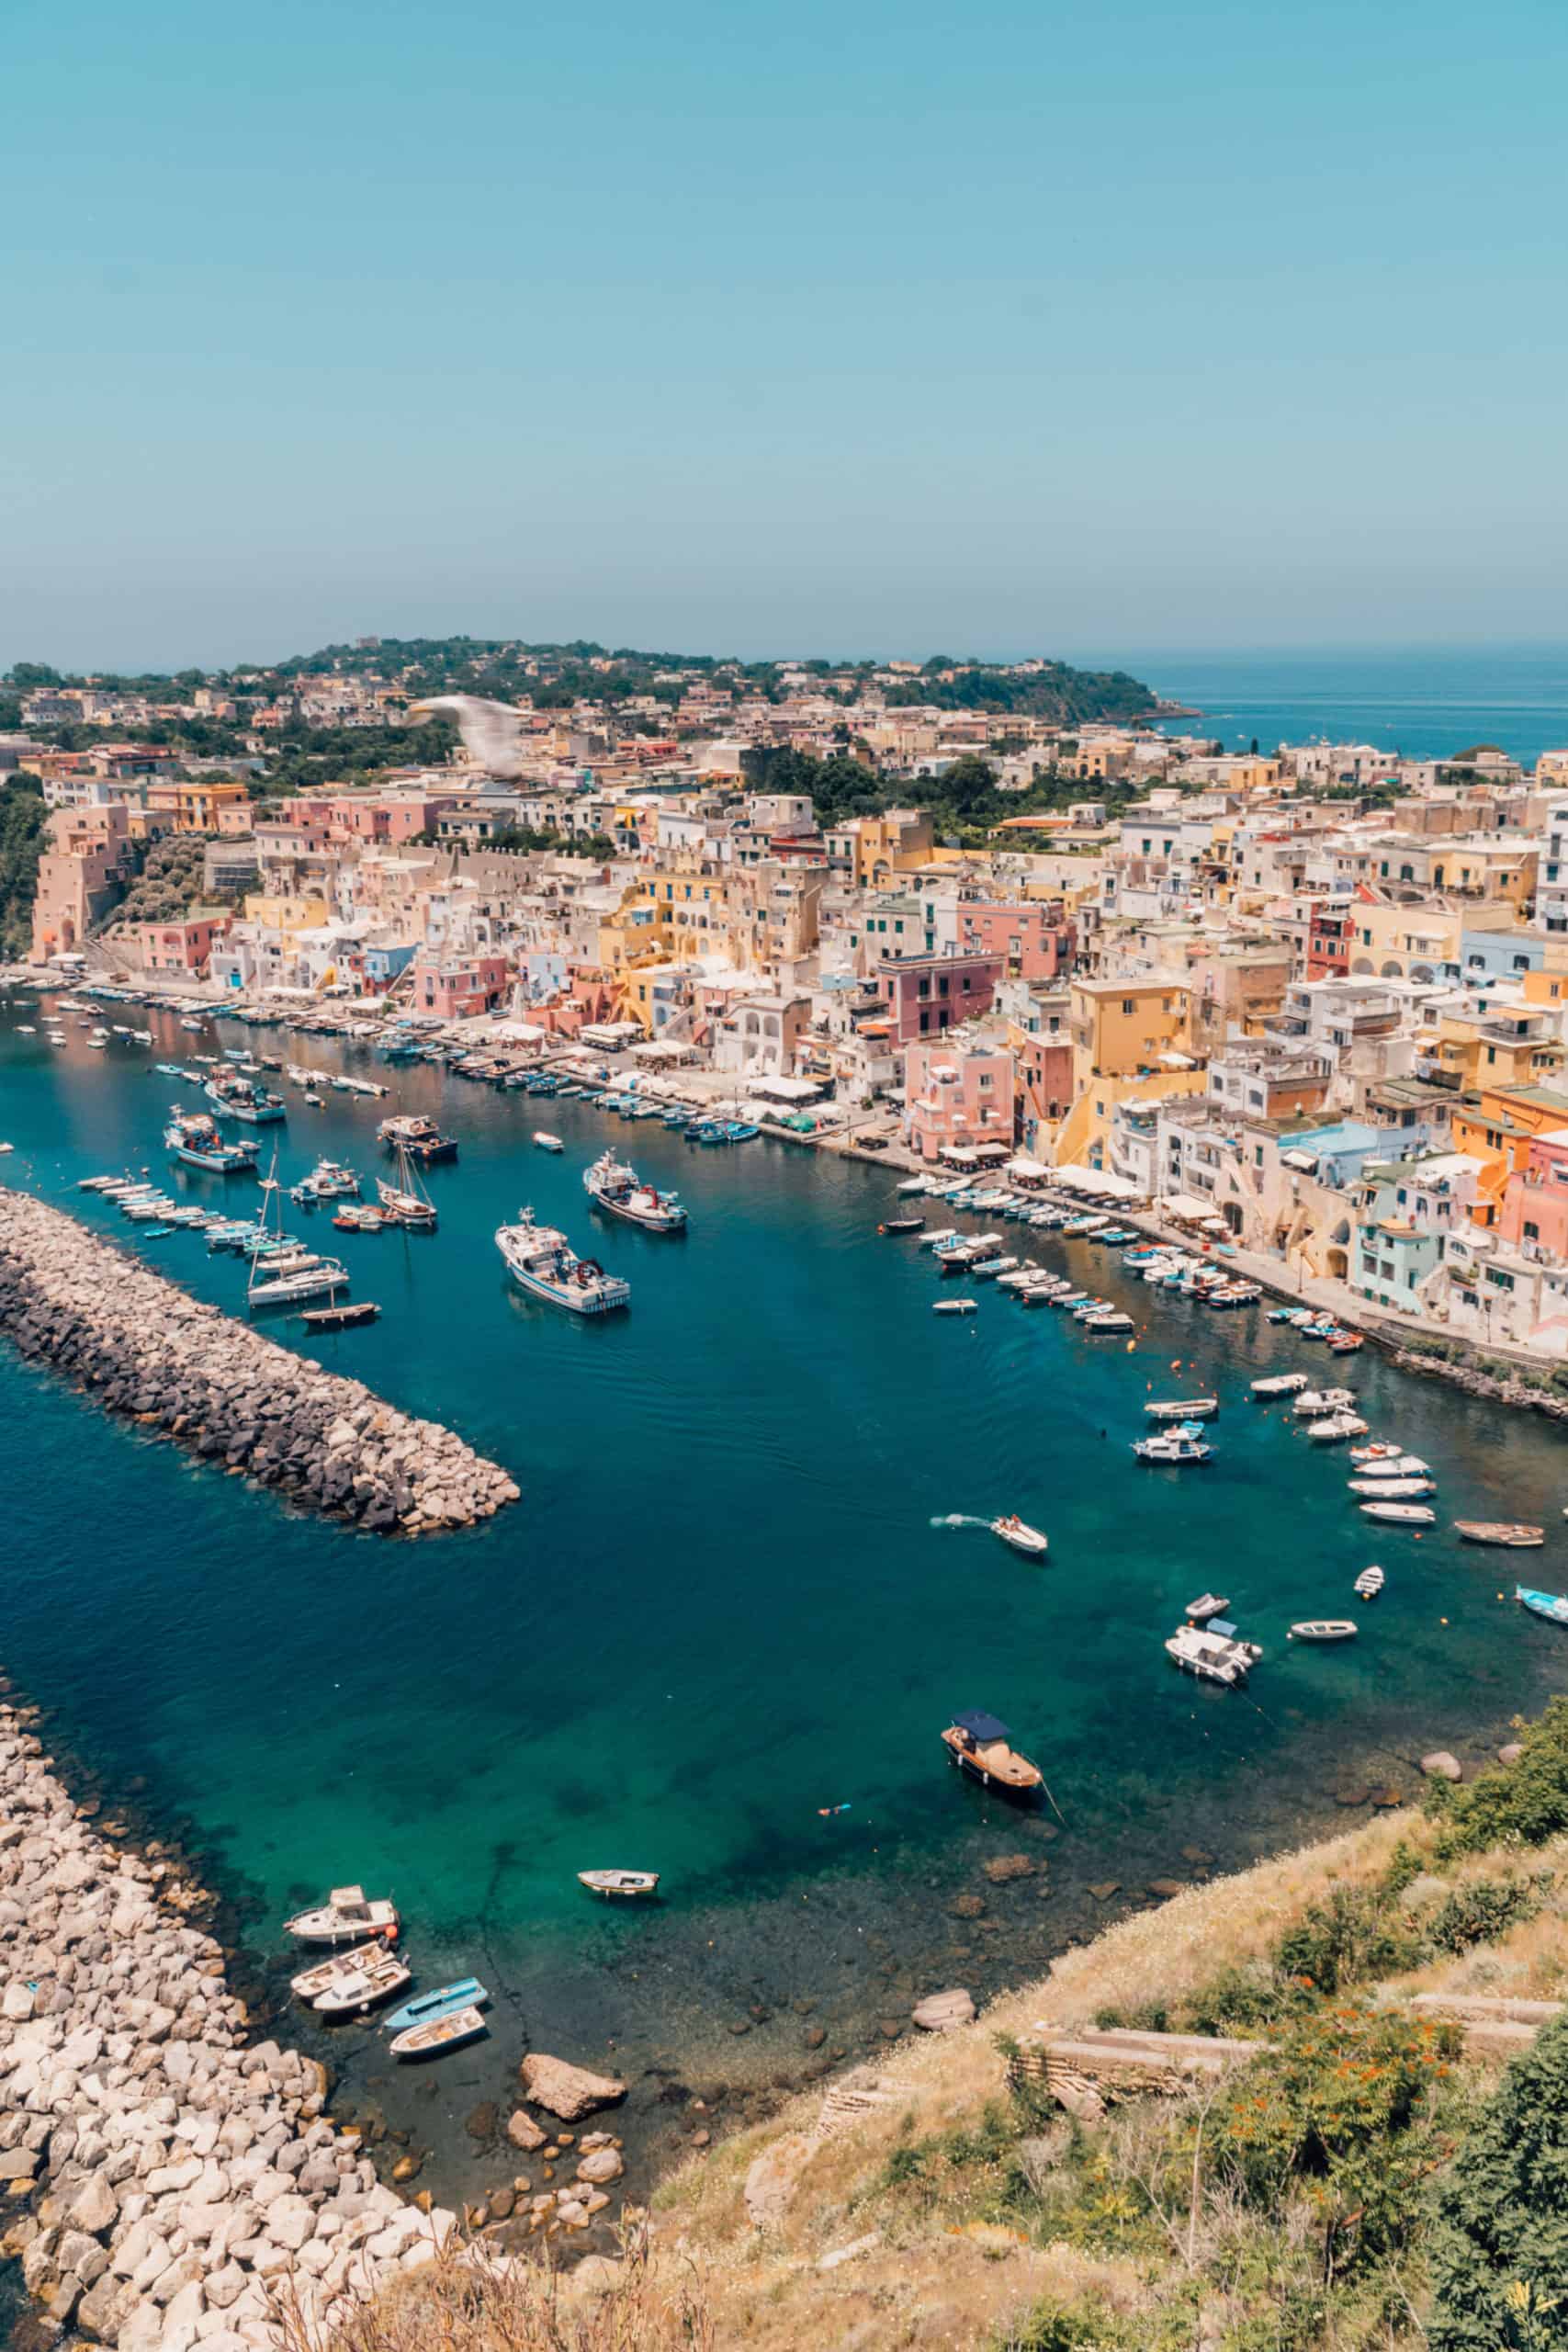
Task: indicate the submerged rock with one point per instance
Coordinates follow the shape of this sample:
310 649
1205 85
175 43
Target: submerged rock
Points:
571 2092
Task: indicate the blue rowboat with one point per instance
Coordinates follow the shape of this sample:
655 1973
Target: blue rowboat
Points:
467 1993
1543 1604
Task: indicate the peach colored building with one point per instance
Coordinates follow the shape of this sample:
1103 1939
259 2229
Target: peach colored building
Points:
956 1097
80 876
1535 1204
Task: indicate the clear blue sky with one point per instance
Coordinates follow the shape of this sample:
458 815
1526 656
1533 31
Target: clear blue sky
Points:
867 327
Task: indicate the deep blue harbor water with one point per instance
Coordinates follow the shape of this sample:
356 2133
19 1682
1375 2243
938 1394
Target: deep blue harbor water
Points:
1426 702
721 1604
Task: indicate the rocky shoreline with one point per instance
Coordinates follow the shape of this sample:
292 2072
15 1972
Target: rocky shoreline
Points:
140 1345
1476 1383
168 2182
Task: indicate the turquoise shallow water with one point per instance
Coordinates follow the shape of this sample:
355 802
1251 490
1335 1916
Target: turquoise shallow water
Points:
721 1604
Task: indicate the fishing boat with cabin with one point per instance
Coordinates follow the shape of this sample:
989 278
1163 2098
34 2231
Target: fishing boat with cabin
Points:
194 1139
420 1137
616 1188
540 1261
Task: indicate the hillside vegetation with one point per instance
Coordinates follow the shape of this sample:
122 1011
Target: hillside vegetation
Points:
1358 2182
22 814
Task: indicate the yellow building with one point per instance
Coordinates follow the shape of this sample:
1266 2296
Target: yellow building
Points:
1496 1126
289 916
681 910
1120 1028
899 841
1081 1137
195 808
1408 942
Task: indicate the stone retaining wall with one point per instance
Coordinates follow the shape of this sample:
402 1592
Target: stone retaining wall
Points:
144 1347
166 2183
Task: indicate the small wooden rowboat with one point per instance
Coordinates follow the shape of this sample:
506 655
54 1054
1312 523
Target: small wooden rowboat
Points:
1323 1629
467 1993
439 2034
979 1745
627 1884
1370 1583
1508 1534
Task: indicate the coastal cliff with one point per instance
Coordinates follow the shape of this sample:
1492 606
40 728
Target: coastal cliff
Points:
144 1348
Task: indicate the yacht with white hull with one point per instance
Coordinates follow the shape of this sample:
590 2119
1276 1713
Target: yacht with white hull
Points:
617 1189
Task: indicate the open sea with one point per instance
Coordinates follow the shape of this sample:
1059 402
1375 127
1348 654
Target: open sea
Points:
726 1602
1426 702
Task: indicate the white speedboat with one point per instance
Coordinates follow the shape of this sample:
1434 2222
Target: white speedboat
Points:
1392 1490
1331 1429
1313 1401
617 1189
1401 1514
1172 1447
346 1917
1392 1464
1282 1383
1023 1538
1212 1655
956 1306
540 1259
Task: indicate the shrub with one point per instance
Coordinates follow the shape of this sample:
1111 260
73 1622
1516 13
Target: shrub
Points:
1341 2110
1522 1804
1341 1942
1078 2326
1500 2248
1483 1910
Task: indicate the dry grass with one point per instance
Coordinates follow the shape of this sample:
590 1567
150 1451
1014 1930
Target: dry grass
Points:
920 2275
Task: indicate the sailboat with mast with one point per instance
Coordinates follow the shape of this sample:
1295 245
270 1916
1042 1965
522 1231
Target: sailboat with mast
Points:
284 1273
407 1203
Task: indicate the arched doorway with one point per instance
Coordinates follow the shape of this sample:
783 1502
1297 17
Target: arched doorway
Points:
1362 967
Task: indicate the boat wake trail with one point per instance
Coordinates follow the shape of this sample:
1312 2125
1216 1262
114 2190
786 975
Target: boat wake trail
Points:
958 1518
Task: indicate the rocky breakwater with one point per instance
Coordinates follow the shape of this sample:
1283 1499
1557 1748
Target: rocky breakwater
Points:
144 1347
167 2186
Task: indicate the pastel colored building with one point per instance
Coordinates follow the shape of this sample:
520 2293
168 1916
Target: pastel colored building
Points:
956 1099
80 876
925 995
458 986
1534 1213
1030 936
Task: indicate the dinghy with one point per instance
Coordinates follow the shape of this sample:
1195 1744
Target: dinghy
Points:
1507 1535
627 1884
1551 1605
441 2034
1323 1629
1370 1583
1192 1408
1207 1605
1401 1514
467 1993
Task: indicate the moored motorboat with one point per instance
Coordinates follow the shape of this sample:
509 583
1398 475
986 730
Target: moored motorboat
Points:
1323 1629
547 1142
419 1137
615 1188
194 1139
1215 1653
1370 1583
345 1318
1172 1448
1401 1514
620 1886
980 1744
1207 1605
540 1261
956 1306
1393 1490
1023 1537
1507 1535
352 1981
1281 1384
449 2032
1189 1408
345 1917
894 1224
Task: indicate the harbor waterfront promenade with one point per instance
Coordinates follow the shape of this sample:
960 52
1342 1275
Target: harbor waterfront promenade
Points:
181 2174
144 1347
722 1636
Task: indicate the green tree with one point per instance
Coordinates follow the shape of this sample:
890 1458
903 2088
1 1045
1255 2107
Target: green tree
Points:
1500 2248
22 816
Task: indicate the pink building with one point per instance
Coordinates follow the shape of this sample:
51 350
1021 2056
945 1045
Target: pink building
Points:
1535 1204
180 947
929 994
1031 936
957 1097
462 985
